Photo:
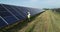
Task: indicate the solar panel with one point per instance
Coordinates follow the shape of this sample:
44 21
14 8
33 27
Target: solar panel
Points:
10 14
6 17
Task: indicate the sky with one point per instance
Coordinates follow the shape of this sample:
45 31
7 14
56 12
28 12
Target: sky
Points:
33 3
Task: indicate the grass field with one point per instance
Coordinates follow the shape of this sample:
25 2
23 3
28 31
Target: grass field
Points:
48 21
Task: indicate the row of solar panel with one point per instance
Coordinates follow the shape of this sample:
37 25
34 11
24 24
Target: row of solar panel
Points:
10 14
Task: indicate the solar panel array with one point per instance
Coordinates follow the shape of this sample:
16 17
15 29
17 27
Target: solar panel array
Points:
10 14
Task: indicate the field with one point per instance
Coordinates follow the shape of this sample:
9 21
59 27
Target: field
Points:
48 21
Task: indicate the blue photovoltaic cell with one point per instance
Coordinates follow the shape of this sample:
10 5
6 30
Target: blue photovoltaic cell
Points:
2 23
3 12
6 15
18 11
33 11
10 19
22 10
14 12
